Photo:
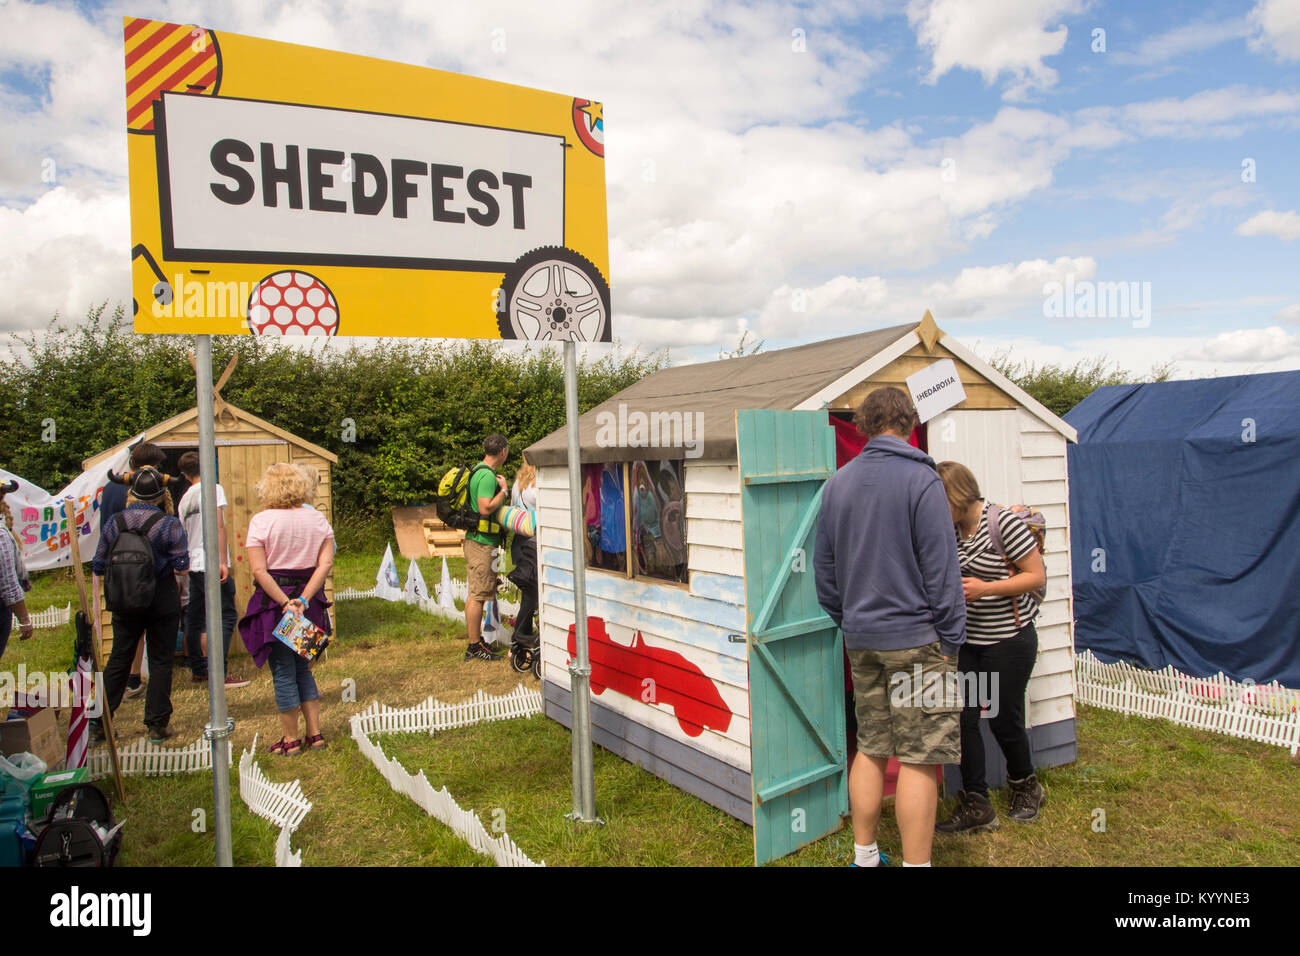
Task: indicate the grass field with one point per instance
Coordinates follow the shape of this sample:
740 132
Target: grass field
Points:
1170 796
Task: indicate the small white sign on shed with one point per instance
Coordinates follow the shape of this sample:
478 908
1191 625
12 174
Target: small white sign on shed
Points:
935 389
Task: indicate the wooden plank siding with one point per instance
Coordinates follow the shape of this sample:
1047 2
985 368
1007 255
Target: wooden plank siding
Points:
1051 686
692 621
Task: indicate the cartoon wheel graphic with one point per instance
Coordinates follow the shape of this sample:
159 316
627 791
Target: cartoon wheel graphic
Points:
554 294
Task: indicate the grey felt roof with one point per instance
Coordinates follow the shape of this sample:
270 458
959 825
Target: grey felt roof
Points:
780 379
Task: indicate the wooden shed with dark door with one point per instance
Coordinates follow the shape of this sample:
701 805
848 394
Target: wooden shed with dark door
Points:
713 665
246 447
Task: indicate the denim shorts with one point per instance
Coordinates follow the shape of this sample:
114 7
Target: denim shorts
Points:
292 678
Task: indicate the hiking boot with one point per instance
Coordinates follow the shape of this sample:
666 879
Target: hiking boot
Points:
1027 796
974 814
97 732
480 652
160 732
136 692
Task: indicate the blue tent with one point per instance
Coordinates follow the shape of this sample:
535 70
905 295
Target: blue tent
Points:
1185 525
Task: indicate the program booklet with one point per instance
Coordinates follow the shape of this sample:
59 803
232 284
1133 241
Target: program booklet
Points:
301 636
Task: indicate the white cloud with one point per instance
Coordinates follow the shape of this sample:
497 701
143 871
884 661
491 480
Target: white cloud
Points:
1186 38
843 303
1241 352
993 37
1249 346
1290 314
1283 225
984 288
1277 28
63 253
1219 113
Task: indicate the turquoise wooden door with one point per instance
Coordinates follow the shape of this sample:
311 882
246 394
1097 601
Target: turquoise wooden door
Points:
796 664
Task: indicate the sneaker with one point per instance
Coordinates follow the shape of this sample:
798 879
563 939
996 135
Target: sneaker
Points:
883 861
236 682
1027 796
198 678
480 652
160 732
136 692
974 814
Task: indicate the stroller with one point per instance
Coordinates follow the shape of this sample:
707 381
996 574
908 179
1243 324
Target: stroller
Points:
525 641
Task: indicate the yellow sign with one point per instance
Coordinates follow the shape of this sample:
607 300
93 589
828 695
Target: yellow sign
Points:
279 189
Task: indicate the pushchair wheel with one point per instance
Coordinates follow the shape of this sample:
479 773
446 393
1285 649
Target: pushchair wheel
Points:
537 664
519 658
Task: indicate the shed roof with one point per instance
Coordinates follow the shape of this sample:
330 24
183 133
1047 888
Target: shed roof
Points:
780 379
710 393
163 427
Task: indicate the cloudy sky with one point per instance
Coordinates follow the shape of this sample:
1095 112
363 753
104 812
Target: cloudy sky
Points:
800 171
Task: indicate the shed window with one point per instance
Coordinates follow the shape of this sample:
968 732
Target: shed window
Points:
635 514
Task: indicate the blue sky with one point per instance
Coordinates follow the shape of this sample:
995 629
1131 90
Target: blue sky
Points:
799 171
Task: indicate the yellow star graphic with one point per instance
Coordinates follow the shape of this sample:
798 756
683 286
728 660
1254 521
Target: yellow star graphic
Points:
596 113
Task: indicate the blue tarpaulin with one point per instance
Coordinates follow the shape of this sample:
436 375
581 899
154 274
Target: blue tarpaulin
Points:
1185 525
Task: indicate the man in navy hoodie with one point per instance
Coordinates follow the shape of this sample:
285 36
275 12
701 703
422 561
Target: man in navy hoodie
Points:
887 574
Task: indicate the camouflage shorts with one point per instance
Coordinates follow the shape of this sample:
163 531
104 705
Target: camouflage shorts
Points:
907 704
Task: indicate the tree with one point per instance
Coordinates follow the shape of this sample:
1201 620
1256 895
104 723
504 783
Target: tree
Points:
1061 387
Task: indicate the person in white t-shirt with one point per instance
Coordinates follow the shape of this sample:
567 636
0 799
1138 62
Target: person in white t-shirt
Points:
191 515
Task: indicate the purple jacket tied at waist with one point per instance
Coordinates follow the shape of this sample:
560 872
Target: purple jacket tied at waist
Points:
257 626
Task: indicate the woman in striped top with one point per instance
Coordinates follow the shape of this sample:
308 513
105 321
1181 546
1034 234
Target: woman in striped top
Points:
1000 650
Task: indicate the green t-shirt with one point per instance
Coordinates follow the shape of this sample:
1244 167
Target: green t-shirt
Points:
483 484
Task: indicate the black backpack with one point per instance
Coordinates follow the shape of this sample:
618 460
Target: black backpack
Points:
130 580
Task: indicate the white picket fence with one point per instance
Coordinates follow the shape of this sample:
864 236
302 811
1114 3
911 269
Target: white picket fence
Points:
440 805
50 617
433 605
1268 713
429 717
283 804
151 760
433 715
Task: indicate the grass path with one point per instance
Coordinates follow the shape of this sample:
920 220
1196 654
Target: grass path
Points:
1170 796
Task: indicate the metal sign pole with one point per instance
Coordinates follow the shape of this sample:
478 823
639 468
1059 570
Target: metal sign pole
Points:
584 784
220 726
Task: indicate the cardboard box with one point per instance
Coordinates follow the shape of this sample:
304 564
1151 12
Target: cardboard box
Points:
48 787
37 734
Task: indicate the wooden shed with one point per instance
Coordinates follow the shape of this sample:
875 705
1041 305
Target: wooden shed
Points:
246 447
713 666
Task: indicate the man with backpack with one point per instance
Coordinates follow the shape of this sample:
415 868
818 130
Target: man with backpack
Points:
142 557
486 493
111 501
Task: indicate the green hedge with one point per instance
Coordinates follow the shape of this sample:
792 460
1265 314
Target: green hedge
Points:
417 407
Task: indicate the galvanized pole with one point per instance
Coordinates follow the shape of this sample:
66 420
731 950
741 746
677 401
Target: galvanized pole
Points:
219 725
584 784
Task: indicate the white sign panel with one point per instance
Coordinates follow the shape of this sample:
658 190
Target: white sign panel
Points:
936 388
255 181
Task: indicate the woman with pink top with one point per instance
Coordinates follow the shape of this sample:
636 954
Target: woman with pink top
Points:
290 553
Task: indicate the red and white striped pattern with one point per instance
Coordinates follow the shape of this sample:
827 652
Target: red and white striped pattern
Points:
83 683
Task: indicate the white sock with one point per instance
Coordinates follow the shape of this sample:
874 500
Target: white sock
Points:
866 855
926 863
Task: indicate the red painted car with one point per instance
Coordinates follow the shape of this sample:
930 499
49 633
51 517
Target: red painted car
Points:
656 676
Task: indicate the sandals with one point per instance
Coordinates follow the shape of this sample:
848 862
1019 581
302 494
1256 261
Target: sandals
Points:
287 748
316 742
